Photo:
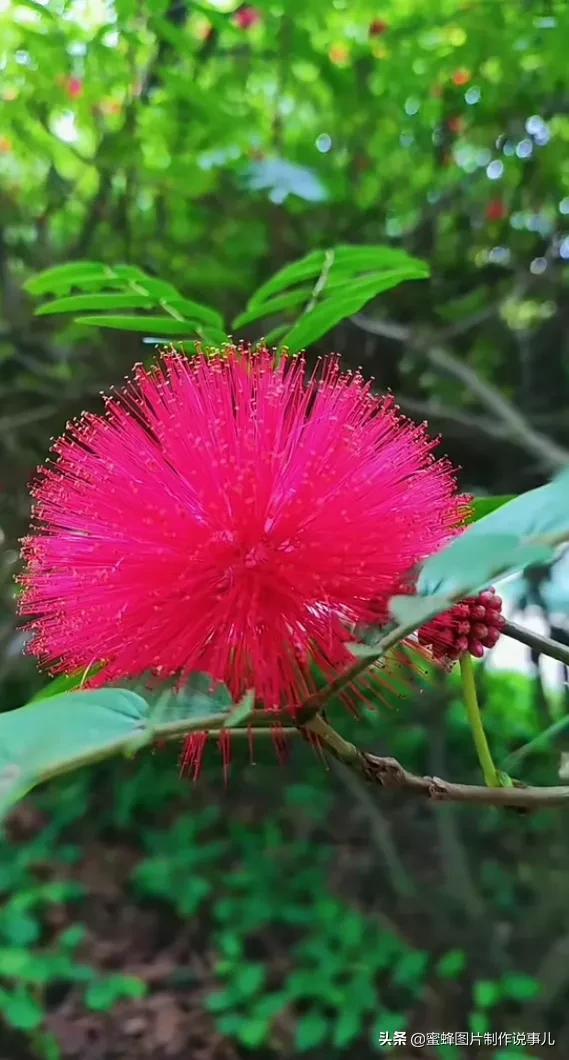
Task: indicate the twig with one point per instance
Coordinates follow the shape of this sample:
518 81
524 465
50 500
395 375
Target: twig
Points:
538 742
433 410
538 642
144 737
460 884
390 774
553 976
387 329
22 419
329 257
250 731
519 429
386 773
380 832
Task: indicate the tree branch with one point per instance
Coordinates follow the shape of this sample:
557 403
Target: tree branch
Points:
519 429
388 773
539 643
433 410
379 831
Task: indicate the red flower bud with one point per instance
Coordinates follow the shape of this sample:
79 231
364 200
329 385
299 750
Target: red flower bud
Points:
470 626
74 88
496 210
378 27
456 125
248 18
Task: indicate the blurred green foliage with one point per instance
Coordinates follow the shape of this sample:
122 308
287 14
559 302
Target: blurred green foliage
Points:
297 967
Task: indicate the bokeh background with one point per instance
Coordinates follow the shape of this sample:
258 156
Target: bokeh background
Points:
294 913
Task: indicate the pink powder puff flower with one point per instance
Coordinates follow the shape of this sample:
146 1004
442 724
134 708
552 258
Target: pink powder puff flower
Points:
230 514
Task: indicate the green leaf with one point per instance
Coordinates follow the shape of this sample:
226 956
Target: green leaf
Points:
274 305
342 303
364 258
413 611
212 336
485 505
20 1009
348 262
471 563
65 276
487 993
311 1031
307 268
518 534
221 1001
254 1031
136 290
65 731
543 512
451 964
73 936
20 964
410 969
251 980
199 697
41 737
388 1022
78 303
162 326
66 683
241 711
157 289
103 994
539 742
194 311
270 1005
17 926
347 1028
230 1024
479 1022
521 988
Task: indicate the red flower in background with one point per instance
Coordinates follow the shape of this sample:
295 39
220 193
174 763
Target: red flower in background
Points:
248 18
75 87
456 125
339 54
496 210
462 78
231 515
378 27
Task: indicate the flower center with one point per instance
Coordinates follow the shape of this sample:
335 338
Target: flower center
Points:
257 557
